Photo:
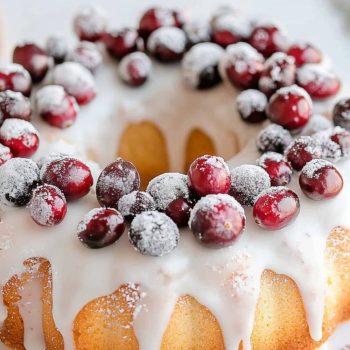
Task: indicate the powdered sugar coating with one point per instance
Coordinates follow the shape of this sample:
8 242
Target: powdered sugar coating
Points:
14 105
153 233
197 31
274 156
5 154
317 122
314 72
249 101
56 46
294 90
273 138
231 22
135 203
144 65
167 187
311 169
171 38
90 20
14 128
330 149
87 54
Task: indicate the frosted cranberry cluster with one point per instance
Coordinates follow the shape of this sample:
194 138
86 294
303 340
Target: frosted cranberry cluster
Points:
279 80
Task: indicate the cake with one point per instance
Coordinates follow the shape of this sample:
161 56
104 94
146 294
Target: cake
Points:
279 278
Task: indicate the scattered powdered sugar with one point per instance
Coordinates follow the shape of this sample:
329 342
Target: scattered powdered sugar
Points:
249 101
311 169
248 181
87 54
317 122
233 23
167 187
14 128
293 90
153 233
273 138
313 72
171 38
136 202
197 31
91 20
143 62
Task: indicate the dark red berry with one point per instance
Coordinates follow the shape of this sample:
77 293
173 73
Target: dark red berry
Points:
320 179
179 211
318 81
303 150
251 105
135 68
341 113
20 136
101 227
5 154
14 77
116 180
342 137
290 107
14 105
242 65
217 220
57 48
48 206
209 175
34 59
87 54
268 39
279 71
121 43
304 53
276 208
278 168
135 203
70 175
153 233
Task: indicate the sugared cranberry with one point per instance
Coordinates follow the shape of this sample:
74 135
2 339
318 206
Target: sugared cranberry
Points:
304 53
34 59
70 175
276 208
134 69
290 107
318 81
179 211
57 48
18 178
155 18
197 32
20 136
153 233
45 160
87 54
209 175
278 168
273 138
14 105
121 43
242 65
330 150
48 206
320 179
279 71
251 105
268 39
303 150
342 137
90 23
199 73
116 180
248 181
341 113
56 107
5 154
101 227
167 44
135 203
217 220
76 80
14 77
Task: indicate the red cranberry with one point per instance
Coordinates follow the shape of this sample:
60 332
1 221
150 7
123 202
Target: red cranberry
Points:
319 82
14 77
70 175
179 211
209 175
290 107
135 203
101 227
76 80
217 220
90 23
197 32
303 150
56 47
56 107
320 179
153 233
304 53
34 59
87 54
341 113
276 208
342 137
5 154
279 71
251 105
14 105
278 168
155 18
116 180
20 136
121 43
48 206
135 68
268 39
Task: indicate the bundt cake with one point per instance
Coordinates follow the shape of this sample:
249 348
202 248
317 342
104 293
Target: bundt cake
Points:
163 244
